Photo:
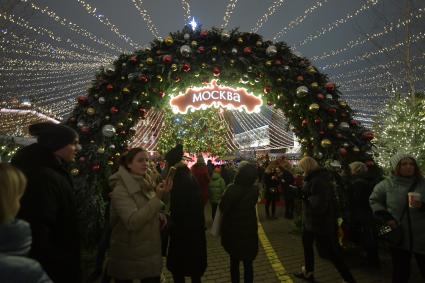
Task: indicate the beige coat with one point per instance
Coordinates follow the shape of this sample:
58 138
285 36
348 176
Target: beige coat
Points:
135 248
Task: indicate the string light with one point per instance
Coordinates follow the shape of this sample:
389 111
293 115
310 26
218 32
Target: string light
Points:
264 18
146 18
186 9
229 11
104 20
299 19
369 4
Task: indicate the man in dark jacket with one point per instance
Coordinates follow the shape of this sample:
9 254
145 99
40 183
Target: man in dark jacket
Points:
48 203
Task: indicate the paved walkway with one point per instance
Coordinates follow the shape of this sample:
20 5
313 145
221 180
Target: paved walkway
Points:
281 254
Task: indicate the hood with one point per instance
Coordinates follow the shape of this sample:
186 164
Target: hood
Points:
35 156
15 238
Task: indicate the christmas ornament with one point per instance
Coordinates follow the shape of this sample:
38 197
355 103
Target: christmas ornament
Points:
91 111
343 104
169 41
159 78
201 50
318 155
101 150
133 59
234 51
304 123
332 111
268 63
95 168
167 59
356 149
108 130
368 135
271 51
194 44
300 78
225 35
109 88
247 50
85 129
185 51
311 70
186 36
216 71
101 100
325 143
259 43
214 49
144 79
330 87
149 61
314 107
329 96
186 68
240 40
302 91
314 85
344 125
331 126
125 90
343 151
82 99
114 110
174 67
317 121
204 34
74 172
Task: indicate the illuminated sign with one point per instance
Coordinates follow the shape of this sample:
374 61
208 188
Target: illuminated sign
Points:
215 95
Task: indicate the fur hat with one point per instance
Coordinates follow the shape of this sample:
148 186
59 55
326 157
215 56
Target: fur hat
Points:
53 136
396 158
174 155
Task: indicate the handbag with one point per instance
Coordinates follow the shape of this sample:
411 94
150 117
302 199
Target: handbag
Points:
216 226
394 236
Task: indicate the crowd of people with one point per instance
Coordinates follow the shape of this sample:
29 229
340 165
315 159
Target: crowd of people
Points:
157 212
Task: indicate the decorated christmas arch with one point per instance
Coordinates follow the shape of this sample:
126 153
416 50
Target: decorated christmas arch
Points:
123 93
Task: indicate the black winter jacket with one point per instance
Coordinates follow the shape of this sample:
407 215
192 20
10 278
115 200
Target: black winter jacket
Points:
48 205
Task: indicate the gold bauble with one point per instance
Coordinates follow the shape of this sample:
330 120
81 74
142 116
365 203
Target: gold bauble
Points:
203 65
144 94
240 40
314 107
168 41
123 78
269 63
356 149
159 78
311 70
343 103
116 98
214 49
279 80
259 43
304 141
325 143
125 90
194 43
130 119
91 111
174 67
331 126
75 172
110 162
149 61
101 150
117 154
314 85
141 65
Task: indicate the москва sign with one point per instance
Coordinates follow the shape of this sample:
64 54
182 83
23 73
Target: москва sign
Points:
215 95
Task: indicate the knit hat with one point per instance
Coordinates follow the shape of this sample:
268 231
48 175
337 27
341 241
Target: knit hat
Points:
396 158
357 167
53 136
174 155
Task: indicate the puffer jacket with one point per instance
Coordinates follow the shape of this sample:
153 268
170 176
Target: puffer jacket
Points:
390 195
15 243
217 188
135 248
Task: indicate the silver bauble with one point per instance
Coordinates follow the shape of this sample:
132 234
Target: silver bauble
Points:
132 76
329 96
225 35
185 50
112 146
108 130
81 124
302 91
234 51
271 51
101 100
186 36
344 125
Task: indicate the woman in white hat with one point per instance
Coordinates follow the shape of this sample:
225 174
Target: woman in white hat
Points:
389 201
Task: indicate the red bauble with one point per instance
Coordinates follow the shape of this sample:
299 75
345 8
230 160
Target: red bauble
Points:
267 89
82 159
204 34
354 122
247 50
304 123
85 129
216 71
177 79
161 94
368 135
82 99
133 59
114 110
96 168
278 62
330 87
331 110
167 59
317 121
144 79
300 78
109 87
186 68
320 96
343 151
143 112
201 50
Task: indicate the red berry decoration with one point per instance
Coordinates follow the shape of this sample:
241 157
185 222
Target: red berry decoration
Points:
85 129
300 78
247 50
320 96
354 122
167 59
201 50
161 94
186 68
82 99
331 110
133 59
343 151
216 71
330 87
317 121
144 79
304 123
109 87
267 89
278 62
114 110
